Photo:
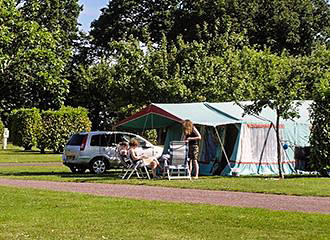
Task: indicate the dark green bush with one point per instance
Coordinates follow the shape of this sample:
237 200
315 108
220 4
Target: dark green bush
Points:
320 136
1 129
58 126
24 124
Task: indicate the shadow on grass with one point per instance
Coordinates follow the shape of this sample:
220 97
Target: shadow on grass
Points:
82 177
115 174
22 152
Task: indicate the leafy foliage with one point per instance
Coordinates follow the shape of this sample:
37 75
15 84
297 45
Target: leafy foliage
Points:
132 78
24 126
120 19
1 129
163 51
32 62
59 17
58 126
274 82
282 24
320 135
320 114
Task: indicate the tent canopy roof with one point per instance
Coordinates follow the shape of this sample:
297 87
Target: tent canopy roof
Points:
267 113
210 114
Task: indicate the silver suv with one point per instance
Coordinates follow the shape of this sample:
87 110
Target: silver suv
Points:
97 151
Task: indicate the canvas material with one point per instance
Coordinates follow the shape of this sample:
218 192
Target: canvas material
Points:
246 149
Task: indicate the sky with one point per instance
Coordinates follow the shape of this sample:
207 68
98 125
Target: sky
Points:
91 12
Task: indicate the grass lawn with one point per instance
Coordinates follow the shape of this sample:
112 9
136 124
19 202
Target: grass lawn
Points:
40 214
17 154
306 186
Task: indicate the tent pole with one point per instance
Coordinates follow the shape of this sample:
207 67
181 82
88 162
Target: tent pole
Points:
145 122
222 147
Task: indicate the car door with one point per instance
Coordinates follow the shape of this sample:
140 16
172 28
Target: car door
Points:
94 145
102 144
145 147
108 145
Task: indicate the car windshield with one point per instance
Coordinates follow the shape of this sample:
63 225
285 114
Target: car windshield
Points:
76 139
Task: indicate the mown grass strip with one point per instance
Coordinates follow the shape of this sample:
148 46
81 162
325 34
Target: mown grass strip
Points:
301 186
16 154
39 214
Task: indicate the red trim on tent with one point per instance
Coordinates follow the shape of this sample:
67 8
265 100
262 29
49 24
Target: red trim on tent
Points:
263 163
149 110
255 125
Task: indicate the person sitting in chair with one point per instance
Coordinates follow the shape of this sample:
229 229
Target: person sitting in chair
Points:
151 162
123 148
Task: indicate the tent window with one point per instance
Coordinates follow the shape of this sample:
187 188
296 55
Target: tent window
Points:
259 145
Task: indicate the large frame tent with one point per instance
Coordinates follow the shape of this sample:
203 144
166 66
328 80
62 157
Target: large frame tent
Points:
231 141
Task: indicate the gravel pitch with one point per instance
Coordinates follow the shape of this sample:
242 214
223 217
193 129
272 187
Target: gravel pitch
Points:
224 198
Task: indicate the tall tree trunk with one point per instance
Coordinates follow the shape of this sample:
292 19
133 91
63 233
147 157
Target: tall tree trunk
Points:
278 144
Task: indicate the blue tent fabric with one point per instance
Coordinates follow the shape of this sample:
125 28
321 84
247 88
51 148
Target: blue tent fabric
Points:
210 152
198 113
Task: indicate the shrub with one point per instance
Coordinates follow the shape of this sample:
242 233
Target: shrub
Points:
24 124
1 129
320 136
57 126
320 132
151 135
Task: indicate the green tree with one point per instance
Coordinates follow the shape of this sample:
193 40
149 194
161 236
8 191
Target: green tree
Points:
294 25
97 94
284 24
134 77
59 17
274 82
120 19
320 114
31 70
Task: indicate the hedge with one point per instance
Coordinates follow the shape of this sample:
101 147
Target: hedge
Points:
58 126
24 127
1 130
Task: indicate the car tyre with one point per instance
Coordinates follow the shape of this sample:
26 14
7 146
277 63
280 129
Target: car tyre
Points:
98 166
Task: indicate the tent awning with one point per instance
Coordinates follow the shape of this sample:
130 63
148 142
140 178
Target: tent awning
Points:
163 115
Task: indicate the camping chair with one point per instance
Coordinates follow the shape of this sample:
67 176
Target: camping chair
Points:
177 167
131 167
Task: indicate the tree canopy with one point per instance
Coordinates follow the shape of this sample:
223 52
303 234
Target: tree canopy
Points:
137 52
294 25
32 58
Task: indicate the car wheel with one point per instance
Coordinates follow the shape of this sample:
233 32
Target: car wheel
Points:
75 169
98 166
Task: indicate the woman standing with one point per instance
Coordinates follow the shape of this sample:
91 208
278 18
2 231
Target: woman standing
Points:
192 136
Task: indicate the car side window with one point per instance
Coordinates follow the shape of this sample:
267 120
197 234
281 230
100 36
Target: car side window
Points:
76 139
102 140
120 137
95 140
142 143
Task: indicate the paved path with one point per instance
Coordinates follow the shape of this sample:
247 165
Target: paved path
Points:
224 198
